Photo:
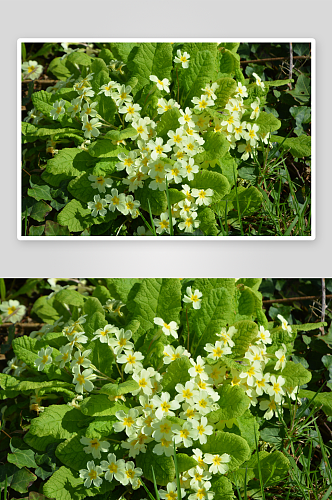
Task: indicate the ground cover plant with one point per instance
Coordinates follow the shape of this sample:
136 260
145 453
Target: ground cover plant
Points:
173 139
157 388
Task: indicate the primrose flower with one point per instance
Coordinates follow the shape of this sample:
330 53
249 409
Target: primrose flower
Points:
12 311
90 127
241 90
94 446
209 90
281 356
190 168
141 128
164 105
182 58
251 135
193 297
131 111
75 107
171 354
259 82
202 102
285 325
264 336
91 474
253 372
113 468
198 368
44 358
189 224
270 408
162 429
203 402
123 95
83 380
275 389
142 377
186 118
203 430
99 182
132 361
85 92
168 329
184 434
121 341
97 206
255 107
127 421
116 200
203 196
130 206
163 224
199 476
175 172
164 405
81 359
165 446
58 109
88 109
218 462
158 149
109 88
186 392
65 355
226 336
218 350
161 84
31 69
132 475
261 386
201 492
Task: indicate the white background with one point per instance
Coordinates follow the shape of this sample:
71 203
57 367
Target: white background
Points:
181 19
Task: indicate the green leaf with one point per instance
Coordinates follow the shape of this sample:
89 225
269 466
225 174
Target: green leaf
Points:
233 403
80 58
122 50
159 297
248 427
168 121
323 400
200 72
21 480
151 59
101 293
156 198
216 312
70 453
101 406
247 331
70 298
208 223
64 485
225 442
58 68
80 188
301 92
101 356
120 135
36 230
119 389
308 327
229 62
222 488
185 462
77 218
54 229
94 322
215 147
248 302
295 375
267 123
57 421
228 167
176 373
274 467
21 458
44 309
100 427
105 148
92 305
206 179
298 146
120 288
175 196
227 87
40 210
69 162
164 468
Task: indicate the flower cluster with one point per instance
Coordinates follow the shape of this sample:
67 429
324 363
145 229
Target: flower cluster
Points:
12 311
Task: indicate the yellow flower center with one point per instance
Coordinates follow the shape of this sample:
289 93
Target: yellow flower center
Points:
95 443
92 474
11 310
128 421
44 359
80 359
130 473
113 468
80 379
165 406
131 359
99 205
184 433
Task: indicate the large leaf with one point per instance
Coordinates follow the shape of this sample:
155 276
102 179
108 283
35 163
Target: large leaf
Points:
295 375
69 162
163 466
101 406
120 287
247 331
160 297
119 389
156 198
77 218
201 71
208 223
70 453
233 403
168 121
206 179
105 148
222 488
215 147
151 59
225 442
267 123
298 146
227 87
176 373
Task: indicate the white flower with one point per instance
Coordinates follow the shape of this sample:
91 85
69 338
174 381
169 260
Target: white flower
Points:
141 128
164 405
197 368
182 58
165 446
270 408
99 182
65 355
131 110
97 206
175 172
113 468
75 107
227 335
198 456
94 446
262 385
241 90
203 402
127 421
121 342
184 434
285 325
219 462
161 84
210 89
122 95
90 127
91 474
171 354
189 224
168 329
253 372
132 361
190 168
202 492
45 358
246 149
12 311
202 102
251 135
217 350
255 107
83 380
164 106
116 200
203 196
264 336
193 297
199 476
259 82
281 356
88 109
186 118
81 359
163 224
142 377
130 206
162 429
85 92
203 430
275 389
186 392
31 69
131 475
109 88
158 148
126 160
58 109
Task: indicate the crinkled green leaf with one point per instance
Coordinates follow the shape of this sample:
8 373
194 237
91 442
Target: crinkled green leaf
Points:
175 196
157 199
176 373
36 230
21 480
295 375
69 162
122 50
274 467
70 453
248 427
247 331
101 406
77 218
163 466
208 223
222 488
80 58
58 68
233 403
225 442
322 400
104 148
206 179
226 89
54 229
40 210
120 287
70 298
298 146
185 462
120 135
22 458
215 147
229 62
248 302
119 389
201 71
168 121
267 123
100 427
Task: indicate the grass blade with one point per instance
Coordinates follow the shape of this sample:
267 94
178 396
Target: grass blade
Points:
2 289
237 203
155 484
259 470
169 212
178 484
327 494
146 222
151 218
148 492
290 228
